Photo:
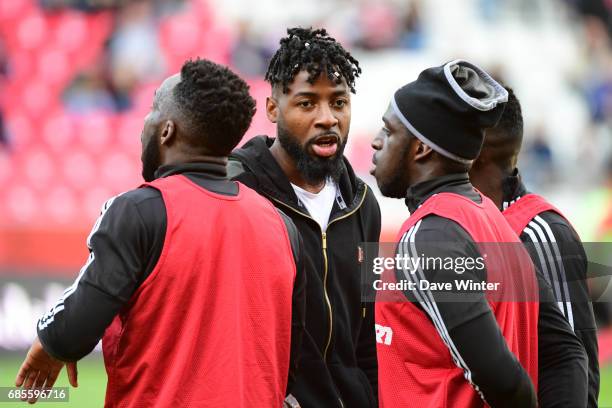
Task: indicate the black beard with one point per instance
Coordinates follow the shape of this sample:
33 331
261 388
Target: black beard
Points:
151 159
313 169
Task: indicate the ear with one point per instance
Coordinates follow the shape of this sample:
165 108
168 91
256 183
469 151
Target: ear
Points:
422 150
168 133
272 109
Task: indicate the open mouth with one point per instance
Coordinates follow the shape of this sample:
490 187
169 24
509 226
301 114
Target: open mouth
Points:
325 146
373 167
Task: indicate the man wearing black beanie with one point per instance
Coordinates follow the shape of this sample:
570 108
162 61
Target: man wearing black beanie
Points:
477 350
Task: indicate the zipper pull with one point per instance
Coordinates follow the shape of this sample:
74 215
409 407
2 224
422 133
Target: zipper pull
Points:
324 235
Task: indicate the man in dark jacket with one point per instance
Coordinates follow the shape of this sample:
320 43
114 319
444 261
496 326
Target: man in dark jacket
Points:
304 173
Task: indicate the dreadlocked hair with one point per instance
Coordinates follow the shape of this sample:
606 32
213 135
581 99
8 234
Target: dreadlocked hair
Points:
313 51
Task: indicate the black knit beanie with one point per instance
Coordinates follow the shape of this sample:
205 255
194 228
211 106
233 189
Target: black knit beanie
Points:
449 107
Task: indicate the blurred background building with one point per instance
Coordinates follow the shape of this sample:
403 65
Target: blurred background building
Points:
77 78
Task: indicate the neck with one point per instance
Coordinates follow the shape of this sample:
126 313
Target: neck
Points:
179 158
488 180
287 164
425 174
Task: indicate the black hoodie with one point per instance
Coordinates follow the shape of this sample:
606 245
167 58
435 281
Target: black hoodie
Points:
338 366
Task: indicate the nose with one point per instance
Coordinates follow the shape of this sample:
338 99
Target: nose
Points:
377 142
326 118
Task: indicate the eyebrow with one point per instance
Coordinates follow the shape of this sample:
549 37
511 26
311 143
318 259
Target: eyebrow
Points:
340 92
314 94
305 93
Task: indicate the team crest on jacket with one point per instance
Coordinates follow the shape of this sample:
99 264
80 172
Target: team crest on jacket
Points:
384 334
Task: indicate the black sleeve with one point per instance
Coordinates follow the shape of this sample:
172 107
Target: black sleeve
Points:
123 249
298 303
366 346
497 373
562 361
557 252
468 327
366 352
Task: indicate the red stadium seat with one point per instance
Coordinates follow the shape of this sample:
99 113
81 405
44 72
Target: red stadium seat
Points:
39 169
21 204
92 201
260 124
23 66
60 205
217 43
141 99
86 158
203 11
58 132
120 171
6 168
15 9
54 67
93 131
79 169
72 32
129 128
37 98
192 34
20 129
32 31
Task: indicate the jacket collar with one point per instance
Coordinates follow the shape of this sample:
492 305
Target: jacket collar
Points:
458 183
273 182
207 169
512 189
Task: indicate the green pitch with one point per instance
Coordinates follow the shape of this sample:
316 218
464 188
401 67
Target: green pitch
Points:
605 387
92 383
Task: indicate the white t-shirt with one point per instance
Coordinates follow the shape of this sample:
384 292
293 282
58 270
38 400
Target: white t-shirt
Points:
319 205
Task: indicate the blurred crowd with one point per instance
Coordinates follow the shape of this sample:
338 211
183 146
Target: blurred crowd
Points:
132 56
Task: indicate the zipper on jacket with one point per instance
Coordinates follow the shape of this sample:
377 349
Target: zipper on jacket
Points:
324 236
325 260
325 265
331 320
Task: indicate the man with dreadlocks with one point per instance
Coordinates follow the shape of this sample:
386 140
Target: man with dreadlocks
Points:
304 173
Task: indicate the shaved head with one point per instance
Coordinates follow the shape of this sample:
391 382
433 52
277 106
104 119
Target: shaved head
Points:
164 94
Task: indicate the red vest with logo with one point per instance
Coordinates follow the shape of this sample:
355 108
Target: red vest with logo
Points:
525 209
415 366
211 325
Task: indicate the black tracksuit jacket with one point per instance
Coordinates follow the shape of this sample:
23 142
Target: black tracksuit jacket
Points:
337 366
570 288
